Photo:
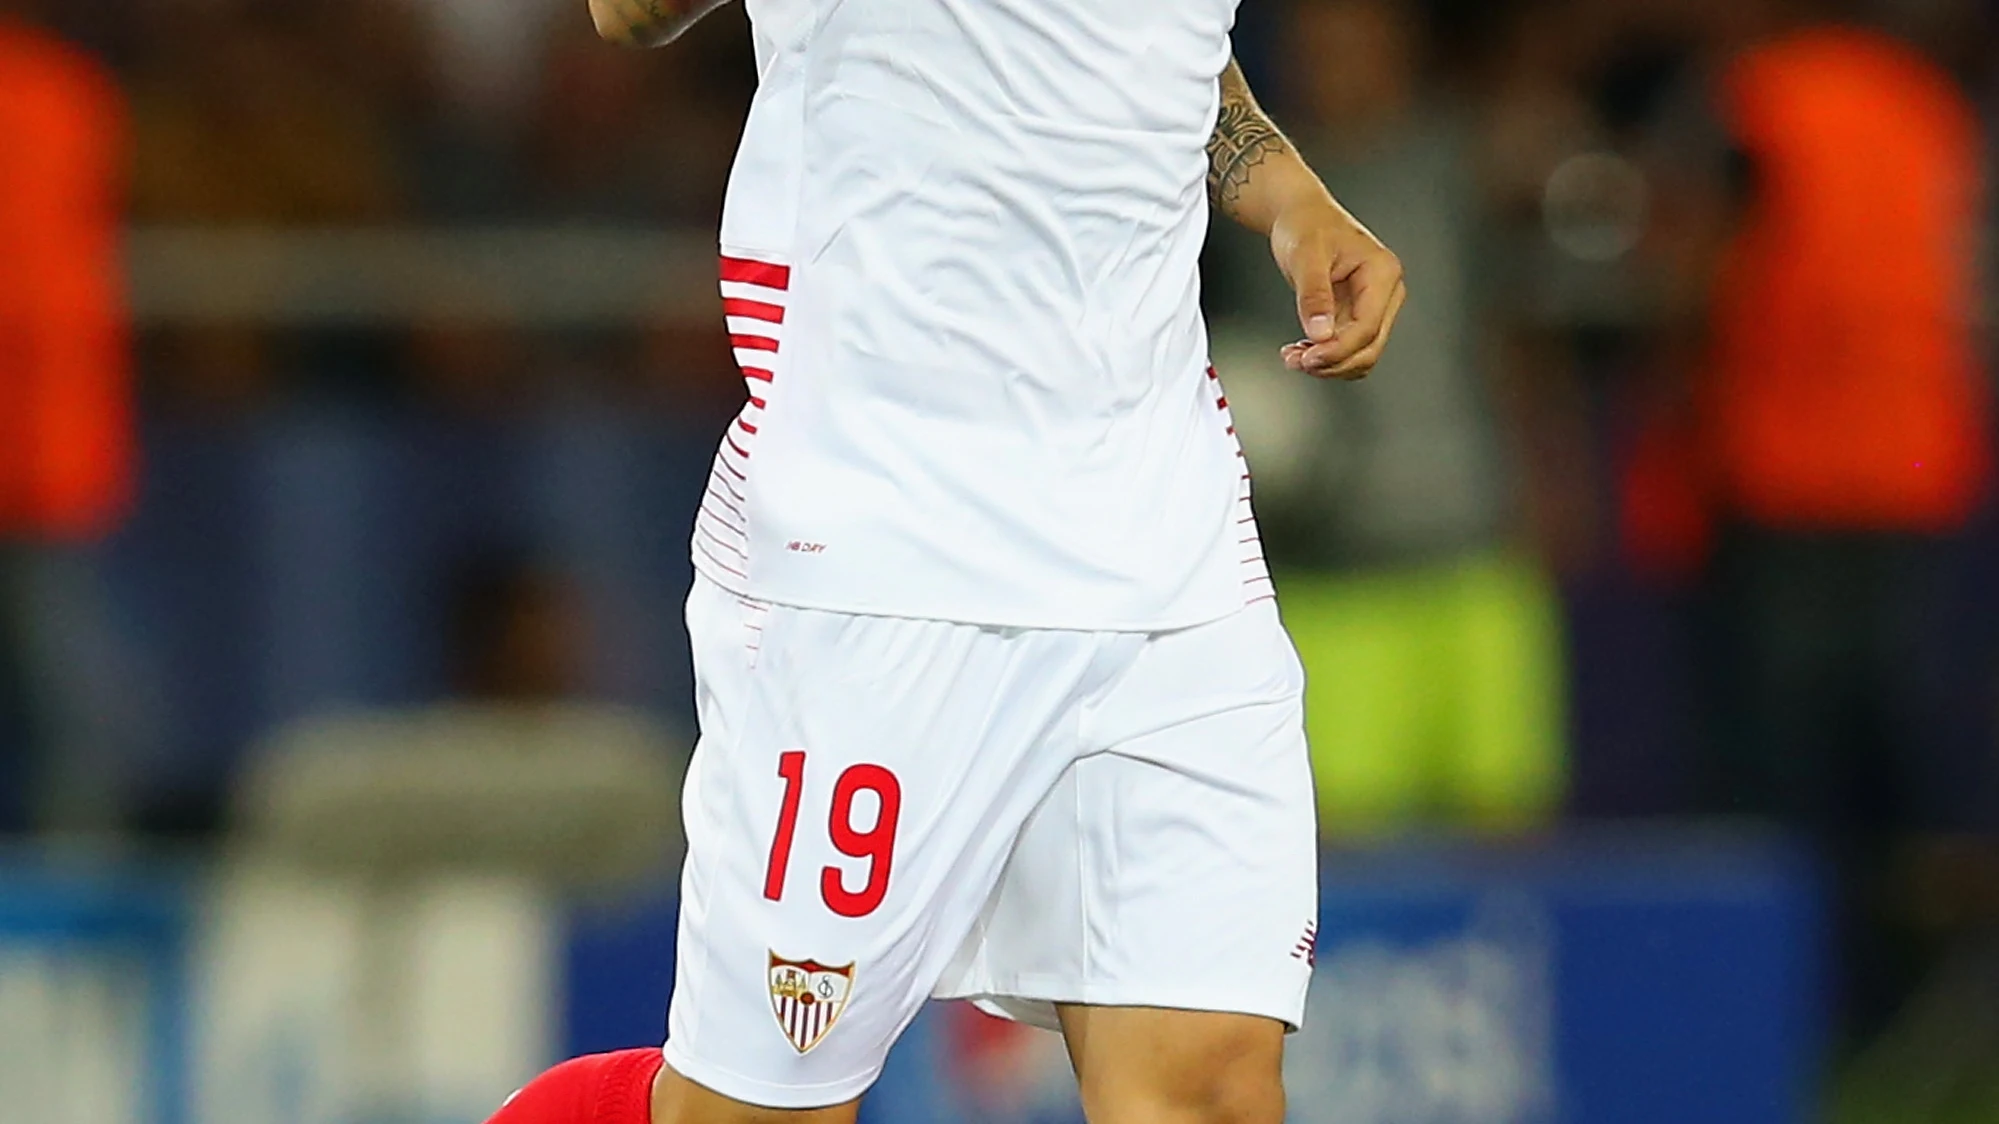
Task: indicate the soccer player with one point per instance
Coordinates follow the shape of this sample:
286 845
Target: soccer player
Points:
995 702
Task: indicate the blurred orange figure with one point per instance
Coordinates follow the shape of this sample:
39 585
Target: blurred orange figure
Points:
1840 440
1844 390
66 442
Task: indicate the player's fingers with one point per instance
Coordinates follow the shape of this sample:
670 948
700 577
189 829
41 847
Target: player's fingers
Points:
1318 301
1363 362
1356 368
1352 341
1369 288
1355 348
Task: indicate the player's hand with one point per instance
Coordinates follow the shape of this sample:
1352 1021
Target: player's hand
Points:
1349 286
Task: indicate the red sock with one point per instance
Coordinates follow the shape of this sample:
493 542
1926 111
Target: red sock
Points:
598 1089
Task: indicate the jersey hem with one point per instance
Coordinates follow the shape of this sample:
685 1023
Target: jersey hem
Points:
765 1094
744 588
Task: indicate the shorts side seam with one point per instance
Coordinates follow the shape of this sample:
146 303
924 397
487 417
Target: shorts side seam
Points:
1085 902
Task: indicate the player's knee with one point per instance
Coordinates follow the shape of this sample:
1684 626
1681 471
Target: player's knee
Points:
1228 1097
1225 1079
1245 1090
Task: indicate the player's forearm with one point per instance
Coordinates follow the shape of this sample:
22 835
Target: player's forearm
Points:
1254 172
647 23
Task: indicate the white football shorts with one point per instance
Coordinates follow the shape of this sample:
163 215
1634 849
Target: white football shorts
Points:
881 810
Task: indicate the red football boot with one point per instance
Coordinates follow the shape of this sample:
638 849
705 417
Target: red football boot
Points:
597 1089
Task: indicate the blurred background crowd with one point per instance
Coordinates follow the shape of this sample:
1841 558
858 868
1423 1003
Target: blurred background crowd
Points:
360 370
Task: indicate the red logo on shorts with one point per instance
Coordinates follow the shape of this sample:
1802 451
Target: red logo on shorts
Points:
807 997
1307 948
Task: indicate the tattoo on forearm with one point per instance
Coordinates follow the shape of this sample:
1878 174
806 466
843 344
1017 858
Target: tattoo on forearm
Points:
1244 137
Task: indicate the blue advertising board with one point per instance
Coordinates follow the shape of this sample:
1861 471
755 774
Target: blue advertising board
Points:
93 981
1629 980
1599 980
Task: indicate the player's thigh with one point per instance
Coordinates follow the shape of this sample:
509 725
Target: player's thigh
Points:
1141 1065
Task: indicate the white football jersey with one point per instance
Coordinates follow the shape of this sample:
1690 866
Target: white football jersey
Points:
960 268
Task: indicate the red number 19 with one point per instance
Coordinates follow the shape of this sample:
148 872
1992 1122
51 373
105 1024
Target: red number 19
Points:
876 844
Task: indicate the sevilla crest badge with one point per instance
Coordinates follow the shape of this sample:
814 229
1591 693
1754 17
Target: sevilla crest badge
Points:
807 998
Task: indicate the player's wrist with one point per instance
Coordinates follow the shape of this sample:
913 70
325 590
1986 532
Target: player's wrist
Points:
1307 214
1287 196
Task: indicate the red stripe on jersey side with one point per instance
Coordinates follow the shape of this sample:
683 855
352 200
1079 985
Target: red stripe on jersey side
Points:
757 402
736 524
718 478
756 273
740 451
753 310
726 523
718 497
758 373
733 470
1222 403
725 544
706 526
703 548
747 427
752 343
